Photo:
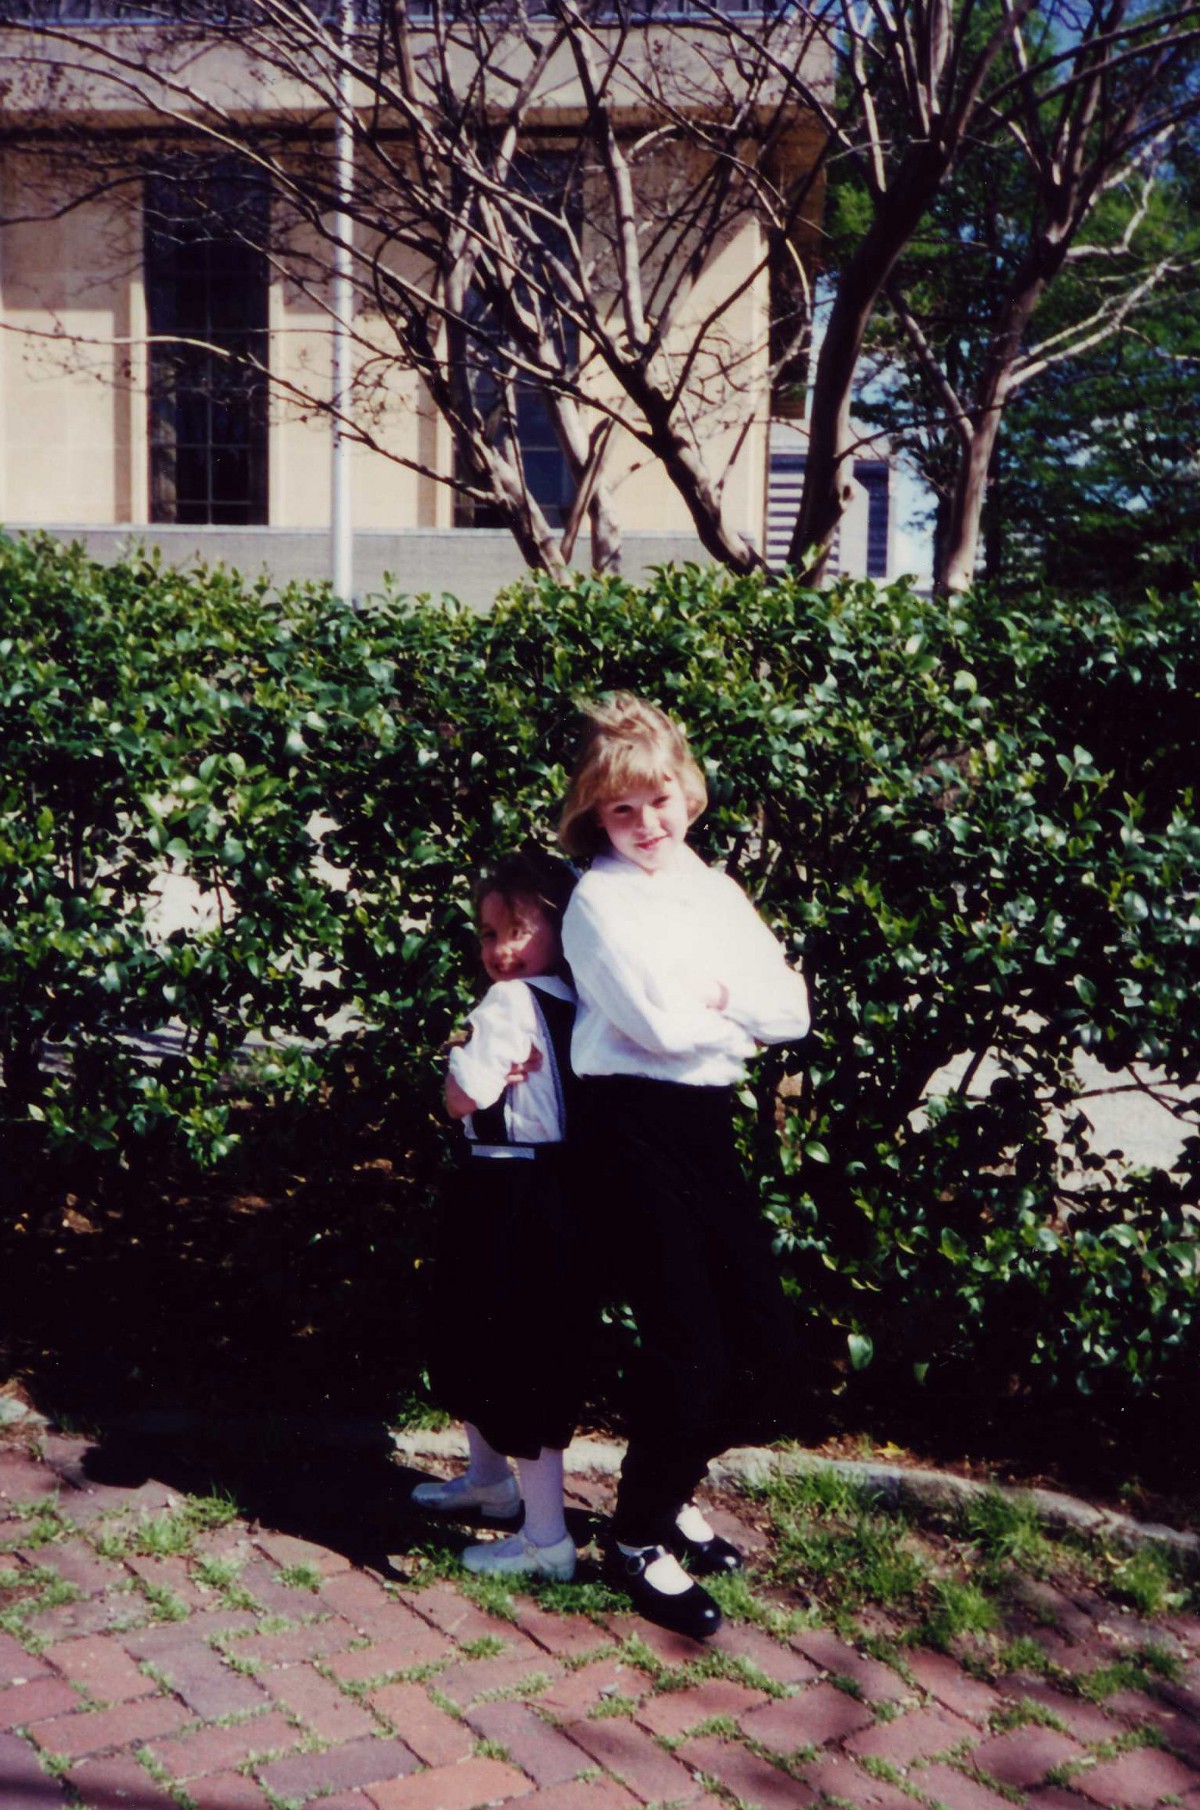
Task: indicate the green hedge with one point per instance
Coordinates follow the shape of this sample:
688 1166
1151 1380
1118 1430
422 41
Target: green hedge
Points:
975 824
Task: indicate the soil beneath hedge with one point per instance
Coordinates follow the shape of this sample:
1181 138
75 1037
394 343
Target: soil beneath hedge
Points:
297 1292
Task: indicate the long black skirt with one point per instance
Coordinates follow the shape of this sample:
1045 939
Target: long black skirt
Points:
508 1330
689 1251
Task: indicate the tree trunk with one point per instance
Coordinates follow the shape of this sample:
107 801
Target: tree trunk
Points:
959 551
686 471
958 554
830 454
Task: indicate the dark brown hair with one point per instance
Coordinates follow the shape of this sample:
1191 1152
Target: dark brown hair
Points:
529 874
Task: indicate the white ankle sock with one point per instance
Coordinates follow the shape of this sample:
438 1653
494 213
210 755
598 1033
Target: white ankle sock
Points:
487 1464
691 1523
664 1573
542 1487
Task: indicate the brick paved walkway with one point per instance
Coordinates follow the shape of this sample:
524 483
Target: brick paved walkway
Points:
253 1668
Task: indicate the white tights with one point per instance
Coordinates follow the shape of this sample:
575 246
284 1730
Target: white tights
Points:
541 1485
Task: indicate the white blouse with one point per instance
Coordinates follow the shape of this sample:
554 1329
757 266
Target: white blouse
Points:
504 1026
644 949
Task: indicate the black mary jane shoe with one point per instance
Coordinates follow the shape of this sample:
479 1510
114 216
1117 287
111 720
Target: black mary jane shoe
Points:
714 1557
692 1611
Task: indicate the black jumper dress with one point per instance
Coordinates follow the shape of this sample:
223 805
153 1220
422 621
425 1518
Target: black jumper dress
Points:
716 1363
508 1302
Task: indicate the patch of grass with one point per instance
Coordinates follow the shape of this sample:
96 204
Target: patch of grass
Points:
869 1560
42 1525
1024 1714
216 1573
956 1609
236 1596
1146 1580
532 1685
169 1535
1136 1671
280 1803
491 1594
1006 1532
491 1750
153 1766
613 1705
416 1415
989 1783
887 1774
164 1603
582 1596
740 1602
1062 1774
1022 1654
823 1491
40 1587
725 1727
488 1646
301 1577
216 1509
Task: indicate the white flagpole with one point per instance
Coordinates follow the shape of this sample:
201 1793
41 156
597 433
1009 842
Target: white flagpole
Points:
340 518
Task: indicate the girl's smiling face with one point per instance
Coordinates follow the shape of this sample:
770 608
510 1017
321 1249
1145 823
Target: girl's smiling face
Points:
516 939
648 824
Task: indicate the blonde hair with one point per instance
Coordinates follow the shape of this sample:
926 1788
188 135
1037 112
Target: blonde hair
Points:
627 744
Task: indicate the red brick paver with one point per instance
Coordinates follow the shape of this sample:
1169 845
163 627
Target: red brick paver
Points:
837 1776
676 1712
815 1718
745 1775
409 1642
575 1794
119 1783
1139 1779
24 1784
95 1731
1024 1756
875 1681
531 1742
219 1748
957 1690
913 1737
16 1665
956 1791
319 1704
229 1791
636 1759
574 1694
354 1765
108 1672
781 1663
21 1704
462 1787
436 1737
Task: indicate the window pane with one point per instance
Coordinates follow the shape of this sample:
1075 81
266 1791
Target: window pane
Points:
208 402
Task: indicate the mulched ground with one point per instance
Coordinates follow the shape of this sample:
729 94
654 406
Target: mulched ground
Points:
162 1649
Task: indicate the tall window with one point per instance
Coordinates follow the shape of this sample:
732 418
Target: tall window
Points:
206 293
518 413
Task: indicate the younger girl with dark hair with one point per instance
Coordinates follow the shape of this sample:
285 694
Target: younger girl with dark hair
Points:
507 1324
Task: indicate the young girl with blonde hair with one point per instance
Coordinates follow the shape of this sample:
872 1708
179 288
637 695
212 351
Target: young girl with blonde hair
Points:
679 981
